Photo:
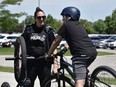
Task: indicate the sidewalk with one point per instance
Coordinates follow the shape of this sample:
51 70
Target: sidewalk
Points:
109 60
9 77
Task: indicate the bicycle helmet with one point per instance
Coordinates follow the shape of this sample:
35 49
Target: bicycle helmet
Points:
73 12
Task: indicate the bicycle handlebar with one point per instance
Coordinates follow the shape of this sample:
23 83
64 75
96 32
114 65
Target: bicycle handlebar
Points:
62 51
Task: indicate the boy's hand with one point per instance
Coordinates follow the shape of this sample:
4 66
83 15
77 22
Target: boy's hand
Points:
47 58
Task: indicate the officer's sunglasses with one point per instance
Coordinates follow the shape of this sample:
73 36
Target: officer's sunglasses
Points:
39 17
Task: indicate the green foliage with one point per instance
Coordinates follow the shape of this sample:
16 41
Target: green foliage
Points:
100 53
6 69
10 51
49 21
100 26
53 22
88 26
29 20
9 21
107 22
6 51
5 3
110 21
8 24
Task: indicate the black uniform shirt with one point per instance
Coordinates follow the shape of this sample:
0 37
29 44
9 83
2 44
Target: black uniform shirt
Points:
77 38
38 40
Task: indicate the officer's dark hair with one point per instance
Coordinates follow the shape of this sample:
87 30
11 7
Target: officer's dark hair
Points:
36 11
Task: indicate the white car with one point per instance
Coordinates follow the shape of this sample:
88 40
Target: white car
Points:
6 38
112 44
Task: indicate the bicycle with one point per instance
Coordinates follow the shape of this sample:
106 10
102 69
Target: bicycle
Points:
102 76
20 62
20 70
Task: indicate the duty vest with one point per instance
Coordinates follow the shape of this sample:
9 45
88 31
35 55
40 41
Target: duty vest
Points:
37 43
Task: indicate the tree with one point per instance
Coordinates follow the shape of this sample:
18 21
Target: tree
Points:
107 22
110 21
5 3
100 26
113 22
29 20
88 26
53 22
9 21
8 24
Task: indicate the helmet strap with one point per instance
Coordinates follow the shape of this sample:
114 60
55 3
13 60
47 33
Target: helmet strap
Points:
68 18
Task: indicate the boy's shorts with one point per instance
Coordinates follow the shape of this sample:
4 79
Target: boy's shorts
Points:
80 65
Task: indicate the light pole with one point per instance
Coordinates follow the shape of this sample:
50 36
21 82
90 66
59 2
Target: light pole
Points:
38 3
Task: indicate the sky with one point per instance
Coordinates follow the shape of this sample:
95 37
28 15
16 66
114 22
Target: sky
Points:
91 10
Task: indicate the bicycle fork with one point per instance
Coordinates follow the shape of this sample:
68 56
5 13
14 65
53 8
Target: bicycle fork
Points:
60 75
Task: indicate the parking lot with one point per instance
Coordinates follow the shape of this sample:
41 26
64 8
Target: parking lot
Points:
99 40
104 41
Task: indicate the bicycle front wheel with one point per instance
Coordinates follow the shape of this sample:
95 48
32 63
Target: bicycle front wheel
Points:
58 81
20 59
103 76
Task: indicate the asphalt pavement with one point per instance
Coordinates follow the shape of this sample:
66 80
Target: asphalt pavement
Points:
109 60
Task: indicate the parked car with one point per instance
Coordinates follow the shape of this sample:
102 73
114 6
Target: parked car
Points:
10 43
112 44
6 38
104 43
97 39
1 37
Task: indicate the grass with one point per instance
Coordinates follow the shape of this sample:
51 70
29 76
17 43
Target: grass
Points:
10 51
111 81
6 51
6 69
99 53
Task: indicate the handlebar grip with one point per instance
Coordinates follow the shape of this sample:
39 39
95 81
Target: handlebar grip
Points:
63 51
60 53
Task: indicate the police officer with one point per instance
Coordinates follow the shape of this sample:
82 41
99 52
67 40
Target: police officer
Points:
38 39
80 45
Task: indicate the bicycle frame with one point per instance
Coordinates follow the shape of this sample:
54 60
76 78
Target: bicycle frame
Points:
21 76
65 66
92 80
